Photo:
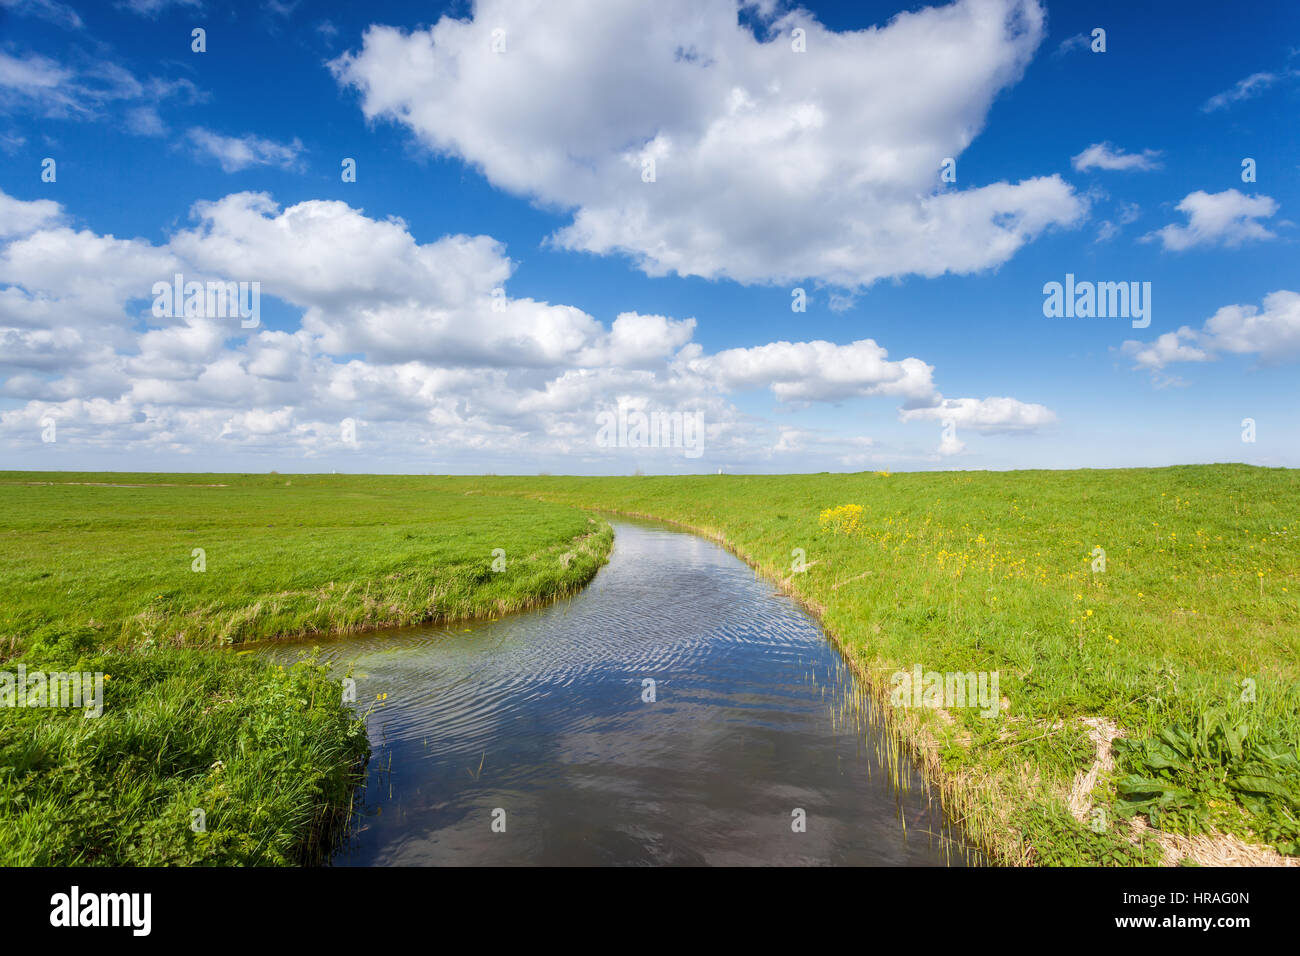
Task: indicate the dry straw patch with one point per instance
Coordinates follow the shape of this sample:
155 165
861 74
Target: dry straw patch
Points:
1217 849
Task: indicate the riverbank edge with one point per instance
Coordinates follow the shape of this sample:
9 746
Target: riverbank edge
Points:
604 539
982 804
320 844
959 794
333 818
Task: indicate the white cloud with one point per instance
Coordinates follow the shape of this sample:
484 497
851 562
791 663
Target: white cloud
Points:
770 165
1106 230
239 152
1080 41
42 86
145 121
1272 334
1246 89
368 286
407 338
1126 213
19 217
985 415
1105 156
51 10
819 371
950 444
1169 347
1228 218
151 8
801 440
33 78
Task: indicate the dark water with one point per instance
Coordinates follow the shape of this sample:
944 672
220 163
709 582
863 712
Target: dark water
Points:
542 715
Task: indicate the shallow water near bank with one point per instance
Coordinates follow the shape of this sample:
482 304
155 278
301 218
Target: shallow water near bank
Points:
547 716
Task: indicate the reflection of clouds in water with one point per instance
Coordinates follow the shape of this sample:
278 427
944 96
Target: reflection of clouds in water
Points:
541 713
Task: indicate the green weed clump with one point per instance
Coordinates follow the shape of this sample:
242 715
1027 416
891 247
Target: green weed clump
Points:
1200 778
197 758
1060 840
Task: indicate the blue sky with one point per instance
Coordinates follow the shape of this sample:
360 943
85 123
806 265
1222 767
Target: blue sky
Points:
924 343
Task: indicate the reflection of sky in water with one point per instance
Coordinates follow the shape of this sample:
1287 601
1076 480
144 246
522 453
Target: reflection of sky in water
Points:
542 714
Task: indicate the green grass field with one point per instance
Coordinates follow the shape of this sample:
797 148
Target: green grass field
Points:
98 578
1186 644
1188 641
281 556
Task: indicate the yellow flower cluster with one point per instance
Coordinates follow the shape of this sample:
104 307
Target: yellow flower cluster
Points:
842 520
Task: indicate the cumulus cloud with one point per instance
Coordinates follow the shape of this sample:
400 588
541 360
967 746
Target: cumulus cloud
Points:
819 371
769 165
984 414
417 343
1272 334
1169 347
18 217
367 286
1105 156
1228 218
55 278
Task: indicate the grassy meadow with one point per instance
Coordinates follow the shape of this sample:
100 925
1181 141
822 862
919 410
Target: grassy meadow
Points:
1187 644
282 556
1144 624
146 578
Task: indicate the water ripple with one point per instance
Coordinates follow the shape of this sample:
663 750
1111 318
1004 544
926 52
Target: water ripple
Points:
542 715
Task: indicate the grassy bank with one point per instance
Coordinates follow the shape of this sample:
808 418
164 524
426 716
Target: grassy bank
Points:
197 560
198 758
1185 648
142 578
1150 703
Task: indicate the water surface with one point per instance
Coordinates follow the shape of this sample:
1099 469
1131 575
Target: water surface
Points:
546 716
